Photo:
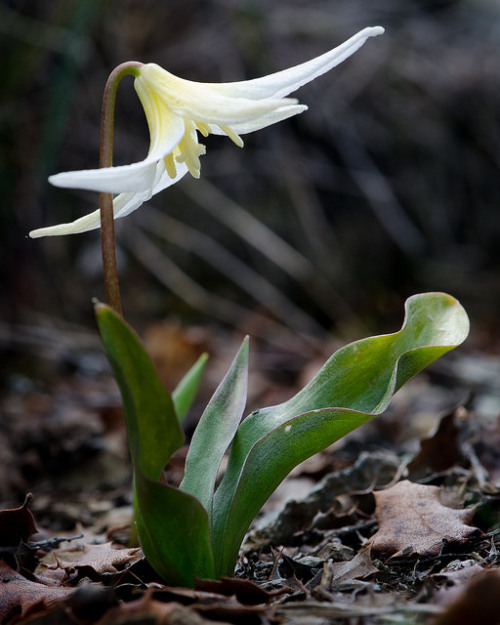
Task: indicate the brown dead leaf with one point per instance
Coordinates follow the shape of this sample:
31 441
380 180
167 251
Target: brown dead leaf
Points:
441 450
101 558
17 524
19 597
486 447
212 603
230 609
478 603
412 519
458 572
90 601
164 613
245 591
359 567
173 349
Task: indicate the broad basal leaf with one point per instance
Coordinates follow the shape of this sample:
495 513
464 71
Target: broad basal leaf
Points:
215 431
174 533
355 385
152 426
173 526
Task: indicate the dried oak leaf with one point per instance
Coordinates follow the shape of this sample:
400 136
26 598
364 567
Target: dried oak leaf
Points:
17 524
412 519
102 558
20 598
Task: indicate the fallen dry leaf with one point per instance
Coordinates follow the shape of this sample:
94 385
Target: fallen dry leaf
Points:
101 558
20 597
360 566
17 524
458 572
478 603
89 602
245 591
173 349
486 447
145 609
138 611
441 450
212 603
412 519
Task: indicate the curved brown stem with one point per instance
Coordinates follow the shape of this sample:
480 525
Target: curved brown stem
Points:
108 243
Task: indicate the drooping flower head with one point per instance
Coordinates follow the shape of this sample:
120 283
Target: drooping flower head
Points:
177 111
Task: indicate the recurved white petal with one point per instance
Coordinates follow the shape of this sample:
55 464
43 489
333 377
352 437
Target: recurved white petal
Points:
89 222
258 123
123 205
286 81
108 179
202 103
129 178
175 109
126 203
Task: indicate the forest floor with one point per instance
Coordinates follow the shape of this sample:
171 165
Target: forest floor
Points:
396 523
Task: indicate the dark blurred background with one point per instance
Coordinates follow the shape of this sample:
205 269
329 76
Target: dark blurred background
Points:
389 185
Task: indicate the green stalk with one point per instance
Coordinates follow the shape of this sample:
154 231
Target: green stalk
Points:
108 243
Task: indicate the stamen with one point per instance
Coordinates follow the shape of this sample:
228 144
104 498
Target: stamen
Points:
189 150
203 128
235 137
170 165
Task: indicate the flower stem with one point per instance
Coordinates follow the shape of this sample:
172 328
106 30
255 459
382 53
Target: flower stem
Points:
108 243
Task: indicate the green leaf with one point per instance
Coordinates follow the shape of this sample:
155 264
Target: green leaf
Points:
153 429
215 431
174 533
173 525
355 385
185 392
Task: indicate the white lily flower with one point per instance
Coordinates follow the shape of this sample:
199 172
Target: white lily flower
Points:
176 110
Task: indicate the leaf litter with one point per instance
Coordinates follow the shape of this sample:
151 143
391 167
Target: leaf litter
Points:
412 519
395 523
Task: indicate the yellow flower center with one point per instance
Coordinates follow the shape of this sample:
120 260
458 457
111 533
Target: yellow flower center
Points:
189 150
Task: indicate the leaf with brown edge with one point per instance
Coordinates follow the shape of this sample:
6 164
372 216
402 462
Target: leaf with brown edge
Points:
412 519
17 524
